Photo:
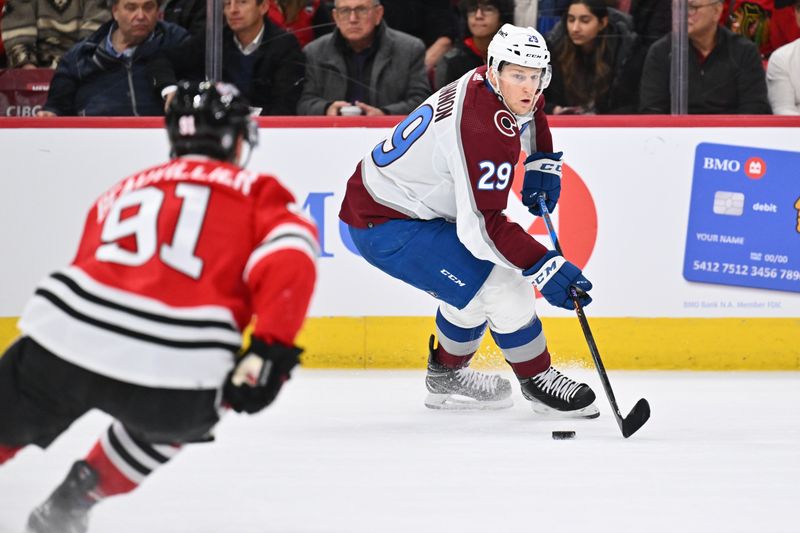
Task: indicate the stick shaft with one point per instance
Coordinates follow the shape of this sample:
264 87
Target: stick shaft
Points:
587 332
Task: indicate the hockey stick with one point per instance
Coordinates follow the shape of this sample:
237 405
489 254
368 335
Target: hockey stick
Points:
641 411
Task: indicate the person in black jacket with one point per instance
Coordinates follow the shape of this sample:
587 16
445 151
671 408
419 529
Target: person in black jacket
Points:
105 75
594 71
432 21
482 19
725 70
262 60
190 14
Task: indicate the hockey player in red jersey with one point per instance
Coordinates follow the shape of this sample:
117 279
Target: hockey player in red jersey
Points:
174 262
426 206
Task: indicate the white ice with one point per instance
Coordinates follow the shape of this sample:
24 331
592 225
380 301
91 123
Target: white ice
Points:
357 452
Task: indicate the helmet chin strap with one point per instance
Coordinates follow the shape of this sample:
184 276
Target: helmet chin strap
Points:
249 154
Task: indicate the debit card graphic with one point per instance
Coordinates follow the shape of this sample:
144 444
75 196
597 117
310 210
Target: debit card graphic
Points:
744 218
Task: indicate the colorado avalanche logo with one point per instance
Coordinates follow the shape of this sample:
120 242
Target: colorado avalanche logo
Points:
506 123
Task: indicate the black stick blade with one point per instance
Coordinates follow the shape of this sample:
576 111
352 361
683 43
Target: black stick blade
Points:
636 418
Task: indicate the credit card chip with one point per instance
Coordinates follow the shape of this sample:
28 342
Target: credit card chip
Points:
728 203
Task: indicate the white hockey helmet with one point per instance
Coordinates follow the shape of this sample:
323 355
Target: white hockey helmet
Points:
522 46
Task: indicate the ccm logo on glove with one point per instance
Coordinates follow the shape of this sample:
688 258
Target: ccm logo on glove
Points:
554 276
547 271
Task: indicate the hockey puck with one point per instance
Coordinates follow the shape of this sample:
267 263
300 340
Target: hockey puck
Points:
563 435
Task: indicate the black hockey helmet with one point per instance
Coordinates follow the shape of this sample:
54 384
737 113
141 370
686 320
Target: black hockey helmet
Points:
207 118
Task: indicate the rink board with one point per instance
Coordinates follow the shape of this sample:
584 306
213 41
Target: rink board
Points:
631 186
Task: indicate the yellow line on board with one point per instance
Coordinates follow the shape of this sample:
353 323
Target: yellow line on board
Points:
624 343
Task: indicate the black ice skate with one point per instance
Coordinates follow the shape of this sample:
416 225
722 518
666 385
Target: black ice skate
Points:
464 388
67 508
553 394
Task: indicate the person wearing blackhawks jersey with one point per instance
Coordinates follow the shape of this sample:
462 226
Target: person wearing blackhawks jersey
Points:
426 206
174 263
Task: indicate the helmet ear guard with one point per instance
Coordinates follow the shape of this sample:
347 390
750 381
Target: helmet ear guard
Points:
208 118
547 75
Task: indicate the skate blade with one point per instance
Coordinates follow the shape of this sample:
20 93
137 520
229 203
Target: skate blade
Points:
463 403
590 411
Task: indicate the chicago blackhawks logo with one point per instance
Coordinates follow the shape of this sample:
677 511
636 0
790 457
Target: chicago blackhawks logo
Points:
506 123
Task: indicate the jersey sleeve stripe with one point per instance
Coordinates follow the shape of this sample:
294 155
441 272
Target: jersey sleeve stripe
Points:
293 229
285 236
285 242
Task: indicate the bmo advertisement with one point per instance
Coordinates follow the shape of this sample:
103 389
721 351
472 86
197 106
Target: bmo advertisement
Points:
673 222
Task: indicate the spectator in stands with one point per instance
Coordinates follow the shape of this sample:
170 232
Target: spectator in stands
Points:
430 20
261 59
725 70
365 64
305 19
190 14
652 19
768 23
482 18
594 68
783 75
37 33
105 74
550 12
526 13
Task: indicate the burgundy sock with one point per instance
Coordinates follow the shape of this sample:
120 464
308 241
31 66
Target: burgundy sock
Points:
528 369
449 360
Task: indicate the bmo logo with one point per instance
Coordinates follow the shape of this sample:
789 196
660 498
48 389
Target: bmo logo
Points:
755 168
725 165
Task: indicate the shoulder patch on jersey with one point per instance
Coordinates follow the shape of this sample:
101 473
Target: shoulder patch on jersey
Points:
505 122
477 77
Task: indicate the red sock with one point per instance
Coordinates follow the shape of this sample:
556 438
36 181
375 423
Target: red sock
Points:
528 369
449 360
112 480
7 452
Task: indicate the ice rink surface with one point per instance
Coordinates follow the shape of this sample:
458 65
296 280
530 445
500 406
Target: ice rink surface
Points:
356 451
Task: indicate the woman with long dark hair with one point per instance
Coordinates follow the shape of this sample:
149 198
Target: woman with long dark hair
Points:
595 69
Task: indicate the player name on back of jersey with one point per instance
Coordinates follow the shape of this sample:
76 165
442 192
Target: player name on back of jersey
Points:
446 101
201 171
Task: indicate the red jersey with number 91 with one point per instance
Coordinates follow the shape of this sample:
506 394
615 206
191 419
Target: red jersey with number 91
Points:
173 263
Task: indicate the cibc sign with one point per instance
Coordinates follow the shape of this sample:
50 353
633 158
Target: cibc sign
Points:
23 92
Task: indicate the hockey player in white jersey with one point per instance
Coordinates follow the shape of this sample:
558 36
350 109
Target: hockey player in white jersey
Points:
174 262
426 206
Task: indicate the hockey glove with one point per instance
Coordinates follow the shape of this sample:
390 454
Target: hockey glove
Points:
553 276
542 177
259 375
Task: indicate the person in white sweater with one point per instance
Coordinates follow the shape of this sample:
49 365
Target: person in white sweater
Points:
783 75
